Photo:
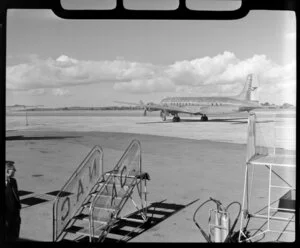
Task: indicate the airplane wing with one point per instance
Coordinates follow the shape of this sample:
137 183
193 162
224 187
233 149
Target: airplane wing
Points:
165 107
131 103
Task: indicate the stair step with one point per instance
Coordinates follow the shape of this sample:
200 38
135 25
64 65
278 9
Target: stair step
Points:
120 175
133 220
84 229
105 202
123 232
108 190
104 220
104 207
132 174
98 219
117 181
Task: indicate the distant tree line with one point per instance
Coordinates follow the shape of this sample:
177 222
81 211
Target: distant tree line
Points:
283 106
86 108
266 104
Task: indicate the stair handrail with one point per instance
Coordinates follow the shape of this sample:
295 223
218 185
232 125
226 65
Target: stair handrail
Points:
110 176
55 236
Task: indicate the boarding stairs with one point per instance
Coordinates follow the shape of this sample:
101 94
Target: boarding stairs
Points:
114 195
275 149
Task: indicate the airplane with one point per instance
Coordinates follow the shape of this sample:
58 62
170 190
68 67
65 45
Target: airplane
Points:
203 105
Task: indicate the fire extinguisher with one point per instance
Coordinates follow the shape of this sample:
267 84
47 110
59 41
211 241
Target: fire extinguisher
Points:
221 229
222 224
217 227
225 224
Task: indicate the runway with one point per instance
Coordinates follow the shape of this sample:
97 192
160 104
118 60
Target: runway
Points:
190 126
188 162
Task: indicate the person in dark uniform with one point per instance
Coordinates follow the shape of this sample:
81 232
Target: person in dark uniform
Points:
12 204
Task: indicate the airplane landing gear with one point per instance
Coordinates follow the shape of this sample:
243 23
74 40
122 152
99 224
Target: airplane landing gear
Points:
163 115
176 119
204 118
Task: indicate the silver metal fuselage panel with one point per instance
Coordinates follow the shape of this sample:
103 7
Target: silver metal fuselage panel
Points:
209 105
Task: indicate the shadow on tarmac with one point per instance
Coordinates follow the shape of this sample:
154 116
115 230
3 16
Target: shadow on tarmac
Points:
21 137
193 120
162 209
239 120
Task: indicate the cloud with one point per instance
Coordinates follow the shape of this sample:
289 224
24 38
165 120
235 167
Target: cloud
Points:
158 84
61 92
223 74
37 92
200 71
66 71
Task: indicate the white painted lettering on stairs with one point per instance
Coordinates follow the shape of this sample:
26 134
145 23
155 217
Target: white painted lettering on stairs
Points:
78 187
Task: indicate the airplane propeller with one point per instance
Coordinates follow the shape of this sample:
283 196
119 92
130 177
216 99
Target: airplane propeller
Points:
146 107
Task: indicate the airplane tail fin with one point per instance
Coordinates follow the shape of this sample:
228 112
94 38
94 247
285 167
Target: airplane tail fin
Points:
246 92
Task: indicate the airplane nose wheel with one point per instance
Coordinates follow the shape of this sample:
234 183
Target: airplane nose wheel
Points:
204 118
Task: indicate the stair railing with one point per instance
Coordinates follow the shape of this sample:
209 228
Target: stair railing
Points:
59 224
111 176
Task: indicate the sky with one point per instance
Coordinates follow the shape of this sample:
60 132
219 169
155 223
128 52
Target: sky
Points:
59 63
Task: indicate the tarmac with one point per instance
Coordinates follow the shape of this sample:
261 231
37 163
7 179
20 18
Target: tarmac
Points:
188 163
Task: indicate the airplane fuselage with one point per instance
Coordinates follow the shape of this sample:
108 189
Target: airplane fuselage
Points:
210 105
204 105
